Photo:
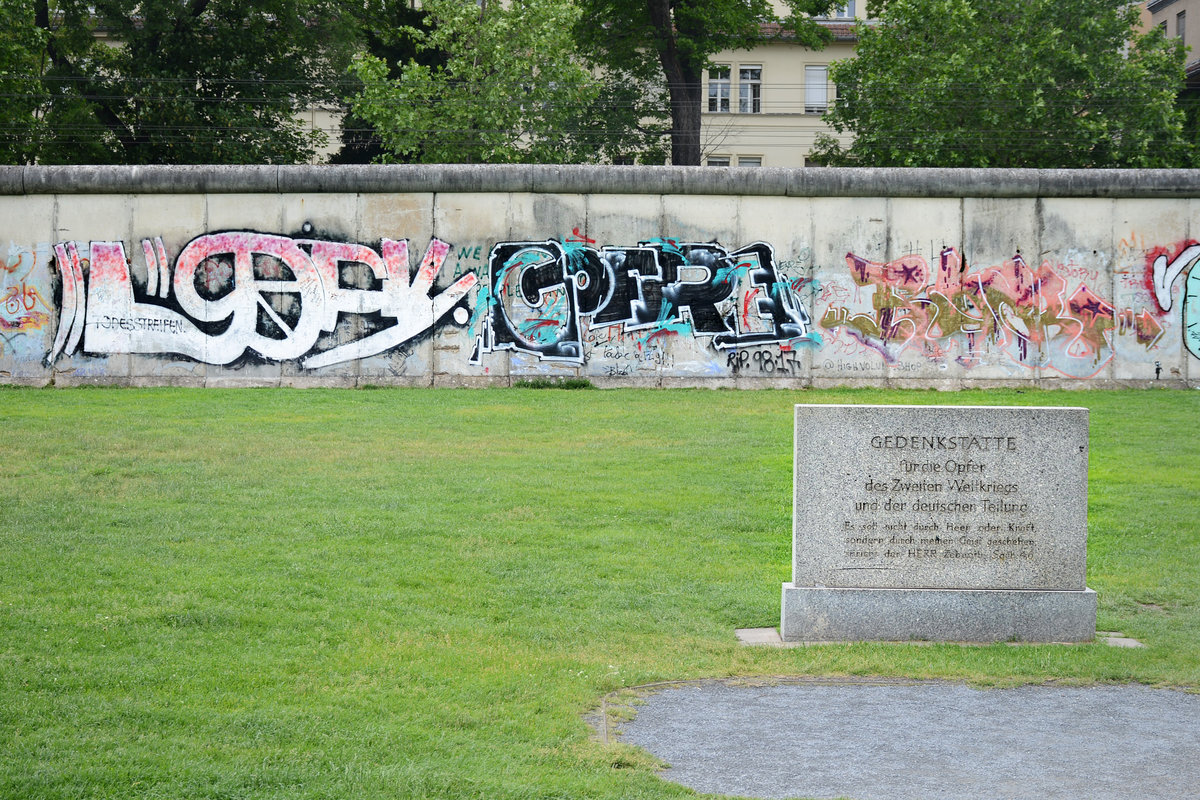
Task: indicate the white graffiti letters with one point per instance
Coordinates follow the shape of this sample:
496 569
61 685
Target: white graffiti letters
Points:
1165 274
409 303
242 291
264 268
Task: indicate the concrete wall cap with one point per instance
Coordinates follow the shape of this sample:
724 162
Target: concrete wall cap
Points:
591 179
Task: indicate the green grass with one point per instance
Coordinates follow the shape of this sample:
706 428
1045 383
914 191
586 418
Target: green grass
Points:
553 383
346 594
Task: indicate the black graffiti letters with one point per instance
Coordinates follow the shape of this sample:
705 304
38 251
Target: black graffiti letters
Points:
542 291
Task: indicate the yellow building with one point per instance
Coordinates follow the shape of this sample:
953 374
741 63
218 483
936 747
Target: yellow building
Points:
764 107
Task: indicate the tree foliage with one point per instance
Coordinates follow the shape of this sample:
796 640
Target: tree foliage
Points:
393 32
504 86
662 47
20 91
996 83
168 81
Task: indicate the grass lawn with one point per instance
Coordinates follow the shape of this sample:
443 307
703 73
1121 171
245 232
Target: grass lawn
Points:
420 593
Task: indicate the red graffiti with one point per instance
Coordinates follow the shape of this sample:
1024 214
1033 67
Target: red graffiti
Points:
1172 255
19 300
579 238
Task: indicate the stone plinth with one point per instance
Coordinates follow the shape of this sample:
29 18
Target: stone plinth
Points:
939 523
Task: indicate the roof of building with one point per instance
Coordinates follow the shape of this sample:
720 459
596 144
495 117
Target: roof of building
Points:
842 30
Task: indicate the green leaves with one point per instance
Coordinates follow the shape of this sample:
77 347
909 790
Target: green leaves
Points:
990 83
510 89
20 92
163 81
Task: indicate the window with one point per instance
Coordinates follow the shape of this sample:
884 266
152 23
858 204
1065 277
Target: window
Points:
750 90
845 11
1180 25
717 161
718 88
749 161
816 90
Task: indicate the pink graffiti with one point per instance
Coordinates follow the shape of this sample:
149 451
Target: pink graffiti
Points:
241 291
1022 311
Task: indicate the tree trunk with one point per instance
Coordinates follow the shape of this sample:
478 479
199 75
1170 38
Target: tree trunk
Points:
685 122
683 87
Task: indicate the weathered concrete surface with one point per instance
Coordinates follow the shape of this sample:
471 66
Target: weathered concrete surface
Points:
647 276
924 741
583 179
769 637
818 614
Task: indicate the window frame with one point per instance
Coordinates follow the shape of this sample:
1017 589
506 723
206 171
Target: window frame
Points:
715 84
750 89
811 104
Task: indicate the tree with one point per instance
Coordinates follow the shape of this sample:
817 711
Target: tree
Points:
490 82
392 31
20 90
668 44
996 83
177 81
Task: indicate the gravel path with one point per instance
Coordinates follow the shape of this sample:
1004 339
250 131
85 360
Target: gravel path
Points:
924 741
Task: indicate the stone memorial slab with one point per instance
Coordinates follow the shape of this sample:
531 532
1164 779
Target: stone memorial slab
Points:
939 523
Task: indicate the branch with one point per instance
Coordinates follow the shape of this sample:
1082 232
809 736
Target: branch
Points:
194 10
88 86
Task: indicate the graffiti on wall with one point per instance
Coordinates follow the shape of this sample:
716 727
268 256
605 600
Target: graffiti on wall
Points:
1165 268
1030 315
22 307
542 296
227 294
662 305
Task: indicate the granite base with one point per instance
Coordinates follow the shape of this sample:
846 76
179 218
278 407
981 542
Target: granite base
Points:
939 615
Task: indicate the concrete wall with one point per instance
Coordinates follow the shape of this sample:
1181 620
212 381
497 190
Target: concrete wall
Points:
626 276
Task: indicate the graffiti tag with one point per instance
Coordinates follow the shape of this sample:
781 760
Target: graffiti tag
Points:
1164 274
1020 310
22 307
543 294
229 293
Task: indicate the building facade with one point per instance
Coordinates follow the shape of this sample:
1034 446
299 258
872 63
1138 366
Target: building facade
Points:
764 107
1178 19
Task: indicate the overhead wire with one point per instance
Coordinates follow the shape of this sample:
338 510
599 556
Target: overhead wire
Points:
768 128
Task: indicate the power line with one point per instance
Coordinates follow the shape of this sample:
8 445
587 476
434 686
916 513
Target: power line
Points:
782 126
